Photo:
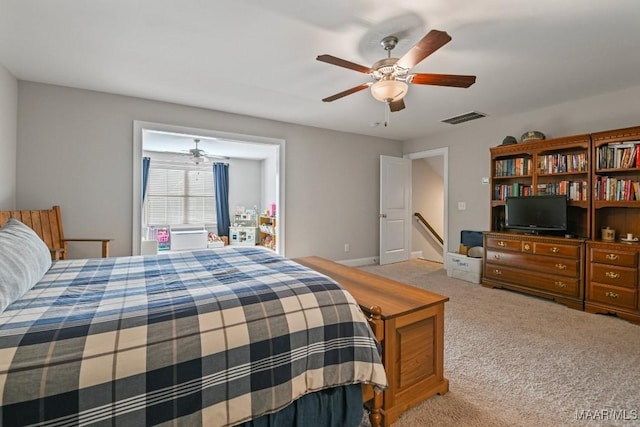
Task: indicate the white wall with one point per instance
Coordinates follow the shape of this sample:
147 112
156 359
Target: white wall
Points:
427 198
469 145
245 183
75 149
269 182
8 138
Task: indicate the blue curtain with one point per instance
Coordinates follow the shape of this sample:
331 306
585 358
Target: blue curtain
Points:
221 179
146 161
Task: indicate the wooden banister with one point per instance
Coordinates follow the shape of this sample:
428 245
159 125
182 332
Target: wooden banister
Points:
429 227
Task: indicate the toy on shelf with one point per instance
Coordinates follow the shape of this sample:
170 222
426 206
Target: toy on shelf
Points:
244 227
215 241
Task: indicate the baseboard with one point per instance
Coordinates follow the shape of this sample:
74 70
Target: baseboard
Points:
359 262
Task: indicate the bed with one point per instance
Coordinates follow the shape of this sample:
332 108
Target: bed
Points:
207 337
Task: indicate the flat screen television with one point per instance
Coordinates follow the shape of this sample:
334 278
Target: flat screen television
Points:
536 214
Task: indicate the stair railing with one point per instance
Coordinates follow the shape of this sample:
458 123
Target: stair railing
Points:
424 222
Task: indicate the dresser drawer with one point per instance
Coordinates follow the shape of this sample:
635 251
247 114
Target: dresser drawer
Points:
536 263
614 257
557 285
613 275
512 245
612 295
551 249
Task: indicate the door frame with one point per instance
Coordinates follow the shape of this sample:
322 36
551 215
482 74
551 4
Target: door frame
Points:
436 152
139 126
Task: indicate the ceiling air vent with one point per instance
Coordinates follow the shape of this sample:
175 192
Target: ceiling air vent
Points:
464 118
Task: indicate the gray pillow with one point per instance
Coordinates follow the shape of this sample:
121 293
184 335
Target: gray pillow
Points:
24 259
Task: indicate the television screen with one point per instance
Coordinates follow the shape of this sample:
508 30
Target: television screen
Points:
536 213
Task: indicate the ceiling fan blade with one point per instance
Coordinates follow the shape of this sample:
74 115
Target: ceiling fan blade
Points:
343 63
347 92
441 80
397 105
433 41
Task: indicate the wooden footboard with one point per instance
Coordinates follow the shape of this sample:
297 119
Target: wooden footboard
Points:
369 395
409 323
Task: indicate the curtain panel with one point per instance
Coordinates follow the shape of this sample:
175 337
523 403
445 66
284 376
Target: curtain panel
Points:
146 162
221 181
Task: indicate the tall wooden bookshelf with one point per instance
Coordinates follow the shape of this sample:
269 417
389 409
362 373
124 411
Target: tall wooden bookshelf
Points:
600 173
612 280
616 174
552 166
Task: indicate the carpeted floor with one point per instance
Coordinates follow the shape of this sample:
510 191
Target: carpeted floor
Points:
517 360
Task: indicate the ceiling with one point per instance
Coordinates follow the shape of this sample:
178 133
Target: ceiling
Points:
172 142
257 58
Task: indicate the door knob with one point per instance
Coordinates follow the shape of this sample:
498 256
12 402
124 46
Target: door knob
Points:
383 215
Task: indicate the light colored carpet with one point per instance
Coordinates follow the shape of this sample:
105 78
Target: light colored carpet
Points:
518 360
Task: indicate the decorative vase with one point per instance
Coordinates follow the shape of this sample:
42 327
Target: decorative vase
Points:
608 234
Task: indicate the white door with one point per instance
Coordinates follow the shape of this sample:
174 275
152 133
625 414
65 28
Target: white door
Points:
395 209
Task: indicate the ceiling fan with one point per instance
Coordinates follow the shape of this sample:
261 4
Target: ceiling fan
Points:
391 77
198 155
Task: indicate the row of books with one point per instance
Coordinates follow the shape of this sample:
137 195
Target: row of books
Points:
562 163
575 190
609 188
513 167
619 156
502 191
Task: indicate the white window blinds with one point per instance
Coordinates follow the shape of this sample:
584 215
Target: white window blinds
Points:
179 195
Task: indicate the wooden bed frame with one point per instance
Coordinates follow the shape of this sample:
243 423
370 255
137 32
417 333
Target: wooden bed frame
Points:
409 323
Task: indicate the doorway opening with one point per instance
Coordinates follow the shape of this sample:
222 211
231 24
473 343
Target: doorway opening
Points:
429 189
254 161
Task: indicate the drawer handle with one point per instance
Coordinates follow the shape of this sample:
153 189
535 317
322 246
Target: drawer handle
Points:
612 274
526 247
561 266
497 256
612 295
501 243
555 250
498 272
612 257
561 284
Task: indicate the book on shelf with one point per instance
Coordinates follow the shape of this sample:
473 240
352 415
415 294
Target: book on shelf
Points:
562 163
502 191
611 188
513 167
619 155
574 190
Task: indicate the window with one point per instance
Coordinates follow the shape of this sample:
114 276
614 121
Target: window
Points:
178 194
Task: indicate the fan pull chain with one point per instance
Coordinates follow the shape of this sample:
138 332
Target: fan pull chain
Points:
387 109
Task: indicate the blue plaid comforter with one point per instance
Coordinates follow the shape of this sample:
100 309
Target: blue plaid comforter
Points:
210 337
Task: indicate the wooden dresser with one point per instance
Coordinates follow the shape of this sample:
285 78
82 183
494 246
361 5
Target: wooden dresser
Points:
410 328
612 279
549 267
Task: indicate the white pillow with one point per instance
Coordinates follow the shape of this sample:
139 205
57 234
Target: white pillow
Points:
24 259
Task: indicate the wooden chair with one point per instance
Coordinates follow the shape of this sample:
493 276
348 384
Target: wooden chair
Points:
48 225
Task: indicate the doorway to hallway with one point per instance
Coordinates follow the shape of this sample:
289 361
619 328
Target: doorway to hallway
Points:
429 200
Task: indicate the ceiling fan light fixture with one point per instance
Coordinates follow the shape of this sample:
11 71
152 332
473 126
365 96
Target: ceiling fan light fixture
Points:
199 159
389 90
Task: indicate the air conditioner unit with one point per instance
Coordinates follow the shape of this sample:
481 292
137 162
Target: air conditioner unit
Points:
188 237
